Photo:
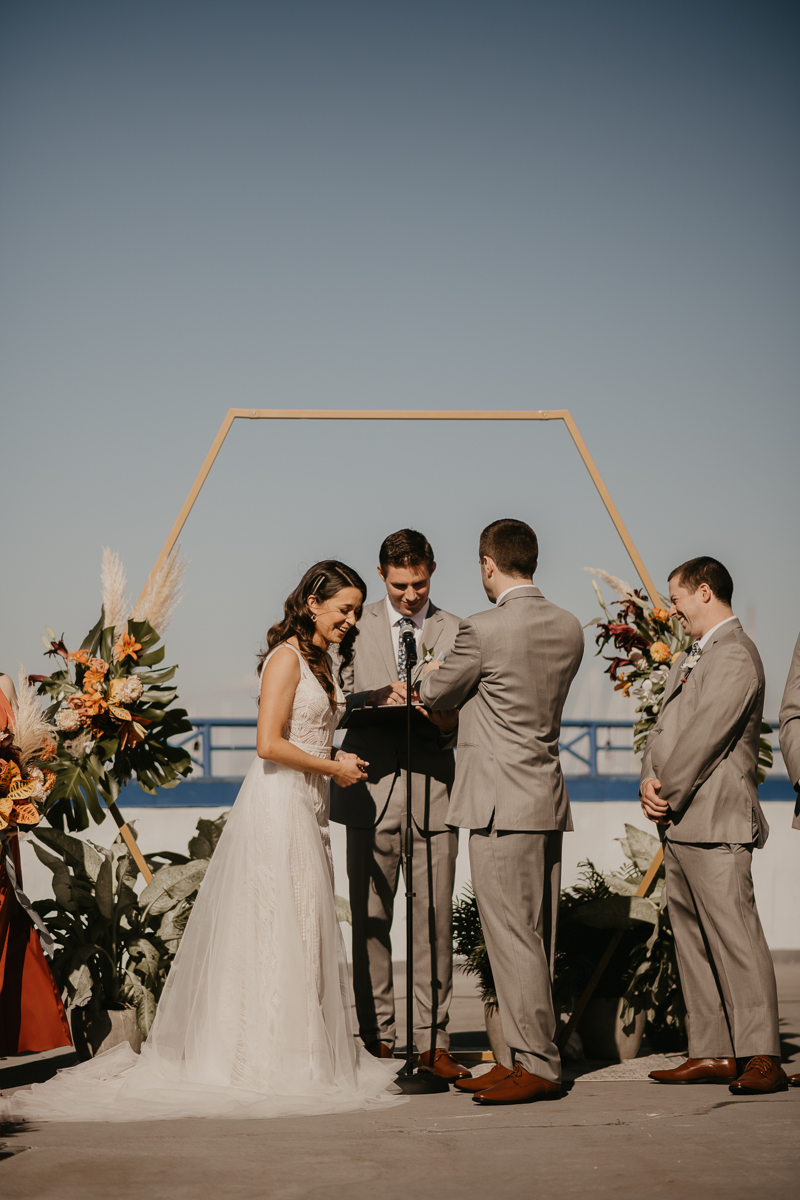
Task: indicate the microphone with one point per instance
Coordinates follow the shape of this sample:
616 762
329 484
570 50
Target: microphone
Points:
409 642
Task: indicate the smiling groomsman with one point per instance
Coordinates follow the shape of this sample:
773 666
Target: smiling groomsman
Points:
375 811
699 784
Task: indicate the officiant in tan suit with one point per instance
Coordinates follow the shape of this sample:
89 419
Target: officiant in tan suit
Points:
699 783
510 672
375 811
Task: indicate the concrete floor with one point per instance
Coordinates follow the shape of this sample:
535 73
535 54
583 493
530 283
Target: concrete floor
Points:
601 1139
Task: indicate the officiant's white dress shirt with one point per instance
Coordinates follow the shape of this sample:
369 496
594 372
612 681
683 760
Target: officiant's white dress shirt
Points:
396 617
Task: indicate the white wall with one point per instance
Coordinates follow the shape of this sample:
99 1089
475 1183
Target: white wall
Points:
776 868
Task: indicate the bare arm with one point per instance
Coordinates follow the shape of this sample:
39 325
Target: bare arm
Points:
279 681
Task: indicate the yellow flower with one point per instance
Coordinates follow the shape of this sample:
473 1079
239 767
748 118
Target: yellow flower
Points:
127 645
660 614
659 652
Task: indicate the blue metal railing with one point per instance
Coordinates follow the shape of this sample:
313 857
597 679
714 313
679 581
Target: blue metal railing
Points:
594 738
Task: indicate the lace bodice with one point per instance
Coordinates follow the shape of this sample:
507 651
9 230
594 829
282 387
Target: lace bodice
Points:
312 722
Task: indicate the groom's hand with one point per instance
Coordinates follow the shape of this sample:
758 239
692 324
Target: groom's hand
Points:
652 805
444 719
393 693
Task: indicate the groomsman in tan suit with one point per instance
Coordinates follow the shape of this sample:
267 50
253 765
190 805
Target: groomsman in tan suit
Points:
510 672
375 811
790 746
699 784
790 729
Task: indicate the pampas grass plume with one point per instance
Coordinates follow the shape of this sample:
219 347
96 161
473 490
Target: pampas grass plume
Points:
32 730
623 589
164 593
114 582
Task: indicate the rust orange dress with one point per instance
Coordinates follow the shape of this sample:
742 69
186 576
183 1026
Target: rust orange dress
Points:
32 1017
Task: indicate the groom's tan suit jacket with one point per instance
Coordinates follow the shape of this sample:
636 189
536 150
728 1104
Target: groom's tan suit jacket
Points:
790 728
374 666
704 747
510 671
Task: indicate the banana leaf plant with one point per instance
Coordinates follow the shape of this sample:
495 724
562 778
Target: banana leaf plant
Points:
112 946
113 715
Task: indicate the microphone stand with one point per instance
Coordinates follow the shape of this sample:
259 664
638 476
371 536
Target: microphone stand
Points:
409 1081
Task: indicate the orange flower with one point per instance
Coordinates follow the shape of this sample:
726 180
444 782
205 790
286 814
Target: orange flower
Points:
661 614
127 645
79 656
48 751
93 703
675 656
91 679
659 652
624 685
131 732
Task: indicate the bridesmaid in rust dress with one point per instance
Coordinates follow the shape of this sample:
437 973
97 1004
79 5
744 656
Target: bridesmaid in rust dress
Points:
32 1017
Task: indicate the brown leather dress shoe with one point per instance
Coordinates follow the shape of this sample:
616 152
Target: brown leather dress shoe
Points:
480 1083
699 1070
759 1076
443 1065
794 1080
380 1050
519 1087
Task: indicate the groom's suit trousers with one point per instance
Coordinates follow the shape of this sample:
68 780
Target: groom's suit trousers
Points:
374 861
517 879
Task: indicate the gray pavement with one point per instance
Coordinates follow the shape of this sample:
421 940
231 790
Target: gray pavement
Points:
603 1138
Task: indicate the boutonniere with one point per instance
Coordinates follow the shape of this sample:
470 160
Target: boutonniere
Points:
689 663
427 654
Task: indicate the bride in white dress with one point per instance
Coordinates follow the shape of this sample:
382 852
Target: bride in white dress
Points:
254 1020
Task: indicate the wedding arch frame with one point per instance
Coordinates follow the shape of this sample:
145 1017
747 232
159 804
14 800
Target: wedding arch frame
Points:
356 414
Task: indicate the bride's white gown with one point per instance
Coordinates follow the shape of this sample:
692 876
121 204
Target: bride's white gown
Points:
254 1020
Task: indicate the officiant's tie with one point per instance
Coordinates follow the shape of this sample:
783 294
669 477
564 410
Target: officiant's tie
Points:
402 670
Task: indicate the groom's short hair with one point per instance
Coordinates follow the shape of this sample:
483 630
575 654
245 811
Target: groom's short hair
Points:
512 545
705 570
406 548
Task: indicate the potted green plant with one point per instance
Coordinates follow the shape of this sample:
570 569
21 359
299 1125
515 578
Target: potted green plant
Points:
114 948
639 990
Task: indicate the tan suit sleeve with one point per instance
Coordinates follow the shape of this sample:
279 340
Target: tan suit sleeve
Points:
459 674
729 686
647 757
790 720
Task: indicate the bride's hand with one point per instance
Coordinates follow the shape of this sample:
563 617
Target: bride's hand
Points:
348 769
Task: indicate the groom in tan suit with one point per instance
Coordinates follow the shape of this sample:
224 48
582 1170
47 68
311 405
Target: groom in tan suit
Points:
699 784
375 811
510 672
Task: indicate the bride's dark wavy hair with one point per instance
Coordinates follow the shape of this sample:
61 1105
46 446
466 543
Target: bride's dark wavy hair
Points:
323 581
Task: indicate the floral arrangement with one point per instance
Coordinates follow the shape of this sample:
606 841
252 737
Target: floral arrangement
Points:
25 783
113 713
648 642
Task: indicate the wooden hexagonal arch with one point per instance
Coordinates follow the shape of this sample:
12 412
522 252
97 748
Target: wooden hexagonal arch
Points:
356 414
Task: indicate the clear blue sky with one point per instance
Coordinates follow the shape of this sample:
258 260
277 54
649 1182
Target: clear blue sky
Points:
365 205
